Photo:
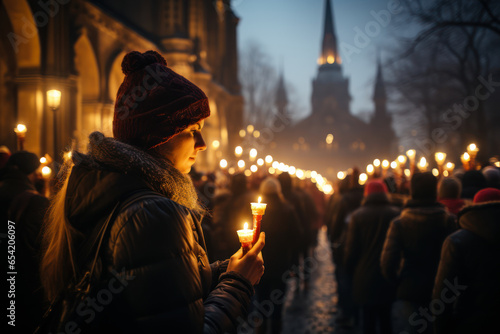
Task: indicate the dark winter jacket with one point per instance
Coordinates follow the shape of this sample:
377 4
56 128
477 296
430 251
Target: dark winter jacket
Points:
468 278
340 215
283 232
26 208
365 238
413 246
156 247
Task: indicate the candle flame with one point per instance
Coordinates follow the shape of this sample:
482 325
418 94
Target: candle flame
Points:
260 199
245 226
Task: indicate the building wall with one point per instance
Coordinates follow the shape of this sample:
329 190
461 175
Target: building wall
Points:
77 47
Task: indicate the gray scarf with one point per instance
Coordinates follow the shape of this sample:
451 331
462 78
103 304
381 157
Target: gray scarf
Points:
106 153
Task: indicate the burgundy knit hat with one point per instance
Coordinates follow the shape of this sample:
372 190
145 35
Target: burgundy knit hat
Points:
487 195
375 187
154 103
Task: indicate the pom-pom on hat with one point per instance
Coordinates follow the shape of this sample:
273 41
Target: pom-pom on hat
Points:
375 187
154 103
487 195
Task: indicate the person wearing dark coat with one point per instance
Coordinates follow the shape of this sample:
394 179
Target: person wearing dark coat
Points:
298 202
25 208
411 252
364 241
472 182
351 196
467 289
153 263
231 211
283 233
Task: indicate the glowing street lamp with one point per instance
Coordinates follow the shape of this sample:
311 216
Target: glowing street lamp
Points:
54 102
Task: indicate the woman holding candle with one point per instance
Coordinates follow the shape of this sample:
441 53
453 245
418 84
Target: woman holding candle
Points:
153 255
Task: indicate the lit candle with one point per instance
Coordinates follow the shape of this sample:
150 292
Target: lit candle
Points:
246 237
472 150
411 155
258 210
422 165
465 158
385 167
450 166
440 158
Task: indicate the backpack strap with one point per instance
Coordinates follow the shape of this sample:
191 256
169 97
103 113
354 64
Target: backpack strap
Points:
98 233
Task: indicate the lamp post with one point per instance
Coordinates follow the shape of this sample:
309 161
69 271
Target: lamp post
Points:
54 102
20 131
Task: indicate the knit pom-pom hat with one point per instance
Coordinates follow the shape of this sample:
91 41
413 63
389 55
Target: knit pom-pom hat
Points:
375 187
487 195
154 103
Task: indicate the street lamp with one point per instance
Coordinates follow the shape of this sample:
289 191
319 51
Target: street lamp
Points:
20 131
54 102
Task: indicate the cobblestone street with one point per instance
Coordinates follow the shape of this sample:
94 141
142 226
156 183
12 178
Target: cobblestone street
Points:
310 303
311 307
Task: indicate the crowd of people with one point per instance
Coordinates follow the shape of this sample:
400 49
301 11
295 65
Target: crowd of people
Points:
133 212
419 262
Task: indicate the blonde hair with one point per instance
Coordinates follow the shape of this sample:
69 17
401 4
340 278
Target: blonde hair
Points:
56 266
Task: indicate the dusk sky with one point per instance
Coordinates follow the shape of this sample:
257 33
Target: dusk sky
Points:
290 32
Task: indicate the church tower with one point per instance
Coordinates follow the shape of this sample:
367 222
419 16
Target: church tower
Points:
330 94
381 123
281 100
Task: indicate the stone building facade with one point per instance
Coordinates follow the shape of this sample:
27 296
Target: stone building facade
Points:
77 47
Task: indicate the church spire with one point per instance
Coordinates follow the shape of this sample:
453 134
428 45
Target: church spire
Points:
329 53
379 92
281 96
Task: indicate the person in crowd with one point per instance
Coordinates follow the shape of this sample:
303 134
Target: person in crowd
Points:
4 156
492 176
472 182
411 252
283 232
449 190
351 196
297 200
205 188
364 241
466 286
231 211
22 205
153 262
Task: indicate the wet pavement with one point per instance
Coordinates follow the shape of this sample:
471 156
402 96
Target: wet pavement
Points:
311 300
311 304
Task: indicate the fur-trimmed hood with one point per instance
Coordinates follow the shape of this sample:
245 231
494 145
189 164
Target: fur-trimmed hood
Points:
483 220
112 170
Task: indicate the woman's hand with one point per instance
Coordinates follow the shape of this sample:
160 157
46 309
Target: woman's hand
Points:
250 265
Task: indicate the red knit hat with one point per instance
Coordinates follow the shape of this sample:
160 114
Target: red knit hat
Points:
487 195
374 187
154 103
